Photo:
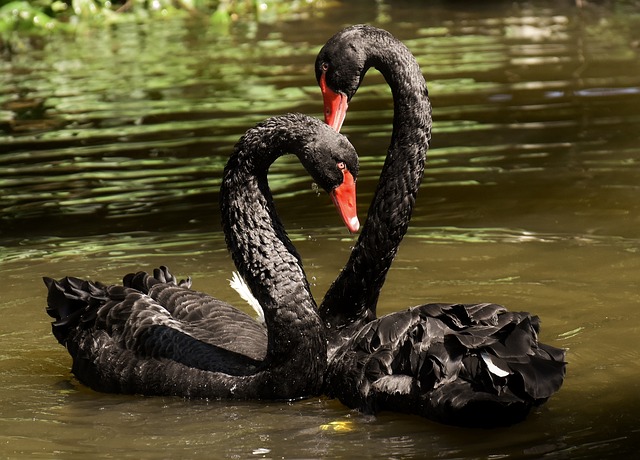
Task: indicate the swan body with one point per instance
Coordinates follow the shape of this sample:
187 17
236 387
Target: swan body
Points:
154 335
472 365
475 365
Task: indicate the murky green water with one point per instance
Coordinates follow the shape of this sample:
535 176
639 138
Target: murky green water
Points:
112 145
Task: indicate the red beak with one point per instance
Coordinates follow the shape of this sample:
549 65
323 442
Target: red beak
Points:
344 197
335 105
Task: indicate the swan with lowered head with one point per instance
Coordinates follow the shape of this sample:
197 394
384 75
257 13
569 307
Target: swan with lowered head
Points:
150 335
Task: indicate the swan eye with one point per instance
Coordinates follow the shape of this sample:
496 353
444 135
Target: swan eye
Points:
324 66
341 165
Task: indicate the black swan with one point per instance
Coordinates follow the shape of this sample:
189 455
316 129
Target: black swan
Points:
152 335
473 365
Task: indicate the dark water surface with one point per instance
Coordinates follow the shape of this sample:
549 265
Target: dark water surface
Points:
112 145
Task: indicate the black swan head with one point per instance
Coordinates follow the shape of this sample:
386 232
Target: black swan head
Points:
344 60
340 67
332 162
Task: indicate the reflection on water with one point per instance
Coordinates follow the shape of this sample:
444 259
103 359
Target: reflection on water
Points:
111 152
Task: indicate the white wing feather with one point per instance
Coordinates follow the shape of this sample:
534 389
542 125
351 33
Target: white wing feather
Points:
240 286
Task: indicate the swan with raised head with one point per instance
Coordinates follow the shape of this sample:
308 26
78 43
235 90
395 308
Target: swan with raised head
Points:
152 334
477 365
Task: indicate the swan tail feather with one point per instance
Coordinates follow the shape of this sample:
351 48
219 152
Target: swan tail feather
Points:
74 303
143 281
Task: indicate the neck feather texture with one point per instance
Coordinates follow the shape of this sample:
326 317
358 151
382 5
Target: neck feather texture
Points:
352 298
263 253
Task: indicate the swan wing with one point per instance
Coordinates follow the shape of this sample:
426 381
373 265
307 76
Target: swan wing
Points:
205 317
103 325
462 364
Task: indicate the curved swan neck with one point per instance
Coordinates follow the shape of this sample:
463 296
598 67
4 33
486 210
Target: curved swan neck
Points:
260 247
352 298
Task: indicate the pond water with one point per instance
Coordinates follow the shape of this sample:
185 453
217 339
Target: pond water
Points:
112 145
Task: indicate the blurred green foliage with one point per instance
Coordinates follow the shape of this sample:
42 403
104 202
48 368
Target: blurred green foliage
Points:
22 18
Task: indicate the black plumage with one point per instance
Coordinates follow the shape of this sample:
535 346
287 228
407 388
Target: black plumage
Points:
474 365
154 335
